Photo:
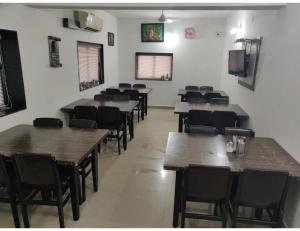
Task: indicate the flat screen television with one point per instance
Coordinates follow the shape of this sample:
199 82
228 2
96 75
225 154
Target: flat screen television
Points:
237 63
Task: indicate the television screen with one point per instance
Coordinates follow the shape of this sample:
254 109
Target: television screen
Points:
237 63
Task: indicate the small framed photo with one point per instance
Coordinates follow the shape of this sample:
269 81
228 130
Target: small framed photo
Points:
152 32
111 39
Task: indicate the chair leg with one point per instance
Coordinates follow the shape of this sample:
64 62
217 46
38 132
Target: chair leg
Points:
138 115
183 207
225 215
25 215
83 184
234 215
14 210
119 145
60 211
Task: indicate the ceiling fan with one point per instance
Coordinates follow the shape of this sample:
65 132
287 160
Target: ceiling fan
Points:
164 19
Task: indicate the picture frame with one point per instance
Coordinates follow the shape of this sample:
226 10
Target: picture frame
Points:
152 32
110 39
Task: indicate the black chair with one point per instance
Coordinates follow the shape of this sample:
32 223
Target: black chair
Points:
36 173
200 129
206 88
138 85
48 122
124 85
209 185
223 101
210 95
110 118
134 95
262 190
191 88
121 97
102 97
239 131
8 191
85 112
112 91
87 162
192 94
196 100
222 119
198 117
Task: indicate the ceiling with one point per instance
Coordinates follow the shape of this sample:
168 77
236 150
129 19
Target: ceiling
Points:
179 14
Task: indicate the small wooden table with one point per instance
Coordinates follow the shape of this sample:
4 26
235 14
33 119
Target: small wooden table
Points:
182 92
126 108
262 153
69 146
182 108
143 92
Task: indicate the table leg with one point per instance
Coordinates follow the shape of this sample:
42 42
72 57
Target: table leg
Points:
131 126
143 109
125 131
180 123
146 103
177 196
95 170
74 191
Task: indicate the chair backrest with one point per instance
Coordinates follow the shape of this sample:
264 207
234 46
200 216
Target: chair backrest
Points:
36 170
83 123
200 129
239 131
262 187
121 97
199 117
85 112
193 94
48 122
191 88
221 119
124 85
4 178
109 117
224 101
112 91
196 100
138 85
102 97
206 88
206 183
133 94
210 95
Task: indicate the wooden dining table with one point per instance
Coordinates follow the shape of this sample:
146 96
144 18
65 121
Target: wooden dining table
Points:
210 150
126 108
69 146
182 109
144 92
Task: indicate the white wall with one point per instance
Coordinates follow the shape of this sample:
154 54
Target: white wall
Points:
48 89
274 106
195 61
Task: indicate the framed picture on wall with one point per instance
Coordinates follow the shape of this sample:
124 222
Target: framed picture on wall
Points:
111 39
152 32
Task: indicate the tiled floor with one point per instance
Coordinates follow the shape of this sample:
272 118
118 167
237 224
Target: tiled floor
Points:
134 191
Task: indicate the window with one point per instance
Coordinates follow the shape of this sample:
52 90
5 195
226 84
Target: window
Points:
90 64
153 66
12 93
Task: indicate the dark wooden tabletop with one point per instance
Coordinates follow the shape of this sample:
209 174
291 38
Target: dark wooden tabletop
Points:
184 107
261 153
146 90
183 92
67 145
124 106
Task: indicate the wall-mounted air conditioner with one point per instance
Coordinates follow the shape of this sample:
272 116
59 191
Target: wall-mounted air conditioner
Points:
88 21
